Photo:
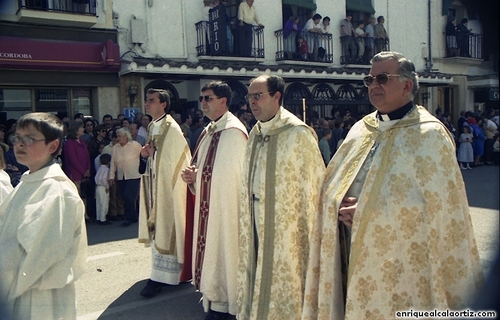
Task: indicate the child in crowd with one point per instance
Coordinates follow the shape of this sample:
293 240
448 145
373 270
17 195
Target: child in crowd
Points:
97 160
42 228
465 151
303 48
102 189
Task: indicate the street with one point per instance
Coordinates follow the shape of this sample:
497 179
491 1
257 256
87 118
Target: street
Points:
118 266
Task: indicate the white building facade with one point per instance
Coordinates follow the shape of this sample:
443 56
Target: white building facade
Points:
167 44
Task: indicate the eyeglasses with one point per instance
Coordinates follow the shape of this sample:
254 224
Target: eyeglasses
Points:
255 96
382 78
103 130
26 140
207 98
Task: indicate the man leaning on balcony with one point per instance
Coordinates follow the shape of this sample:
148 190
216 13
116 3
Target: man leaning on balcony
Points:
247 15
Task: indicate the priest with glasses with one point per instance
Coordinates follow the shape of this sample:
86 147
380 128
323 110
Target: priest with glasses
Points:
393 231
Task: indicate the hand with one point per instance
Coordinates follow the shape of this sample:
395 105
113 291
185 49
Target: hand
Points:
347 209
241 23
148 150
107 190
87 173
111 182
261 25
188 174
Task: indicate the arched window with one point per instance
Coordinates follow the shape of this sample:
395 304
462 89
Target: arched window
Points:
238 96
294 94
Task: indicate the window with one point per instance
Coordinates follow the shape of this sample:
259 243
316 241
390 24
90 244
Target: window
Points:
14 103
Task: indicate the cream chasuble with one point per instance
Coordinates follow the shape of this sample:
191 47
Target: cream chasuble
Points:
43 245
162 216
273 264
220 156
412 241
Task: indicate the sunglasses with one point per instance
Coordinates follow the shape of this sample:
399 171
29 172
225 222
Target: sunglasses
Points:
382 78
207 98
255 96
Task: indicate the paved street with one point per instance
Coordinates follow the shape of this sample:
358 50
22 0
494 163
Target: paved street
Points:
118 266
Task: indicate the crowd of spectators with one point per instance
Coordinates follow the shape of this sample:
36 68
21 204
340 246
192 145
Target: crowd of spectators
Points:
476 137
86 139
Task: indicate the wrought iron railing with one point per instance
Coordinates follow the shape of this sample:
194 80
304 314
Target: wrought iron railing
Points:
304 46
361 50
468 45
87 7
207 39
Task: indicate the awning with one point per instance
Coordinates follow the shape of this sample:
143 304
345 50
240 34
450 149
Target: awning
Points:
360 5
26 53
307 4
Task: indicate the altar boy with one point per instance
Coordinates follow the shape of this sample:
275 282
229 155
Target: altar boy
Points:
42 228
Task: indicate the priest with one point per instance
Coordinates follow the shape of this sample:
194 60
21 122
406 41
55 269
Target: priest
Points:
215 178
281 181
393 232
163 215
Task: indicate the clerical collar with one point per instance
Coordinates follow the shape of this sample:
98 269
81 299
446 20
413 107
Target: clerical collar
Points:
396 114
160 118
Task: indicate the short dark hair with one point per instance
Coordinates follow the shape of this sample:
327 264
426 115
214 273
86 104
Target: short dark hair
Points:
274 84
220 89
162 95
107 116
48 124
327 18
184 116
316 16
465 20
149 116
77 116
125 119
105 158
326 132
240 112
380 18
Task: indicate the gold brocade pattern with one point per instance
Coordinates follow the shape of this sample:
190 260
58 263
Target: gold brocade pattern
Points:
164 219
412 250
271 285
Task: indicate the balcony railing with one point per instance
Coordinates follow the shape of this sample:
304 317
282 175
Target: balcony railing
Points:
87 7
211 43
468 45
361 50
304 46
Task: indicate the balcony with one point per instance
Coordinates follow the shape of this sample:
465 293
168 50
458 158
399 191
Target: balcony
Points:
466 45
215 42
75 13
361 50
304 46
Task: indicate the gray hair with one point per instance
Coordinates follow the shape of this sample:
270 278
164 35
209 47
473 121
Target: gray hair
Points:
406 68
126 132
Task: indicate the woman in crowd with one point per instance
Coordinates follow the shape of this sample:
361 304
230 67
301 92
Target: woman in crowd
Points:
290 30
125 172
88 133
125 123
479 137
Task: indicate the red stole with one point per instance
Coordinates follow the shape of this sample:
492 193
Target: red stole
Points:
204 194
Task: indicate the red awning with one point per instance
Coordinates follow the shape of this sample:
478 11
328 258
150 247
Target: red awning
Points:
24 53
